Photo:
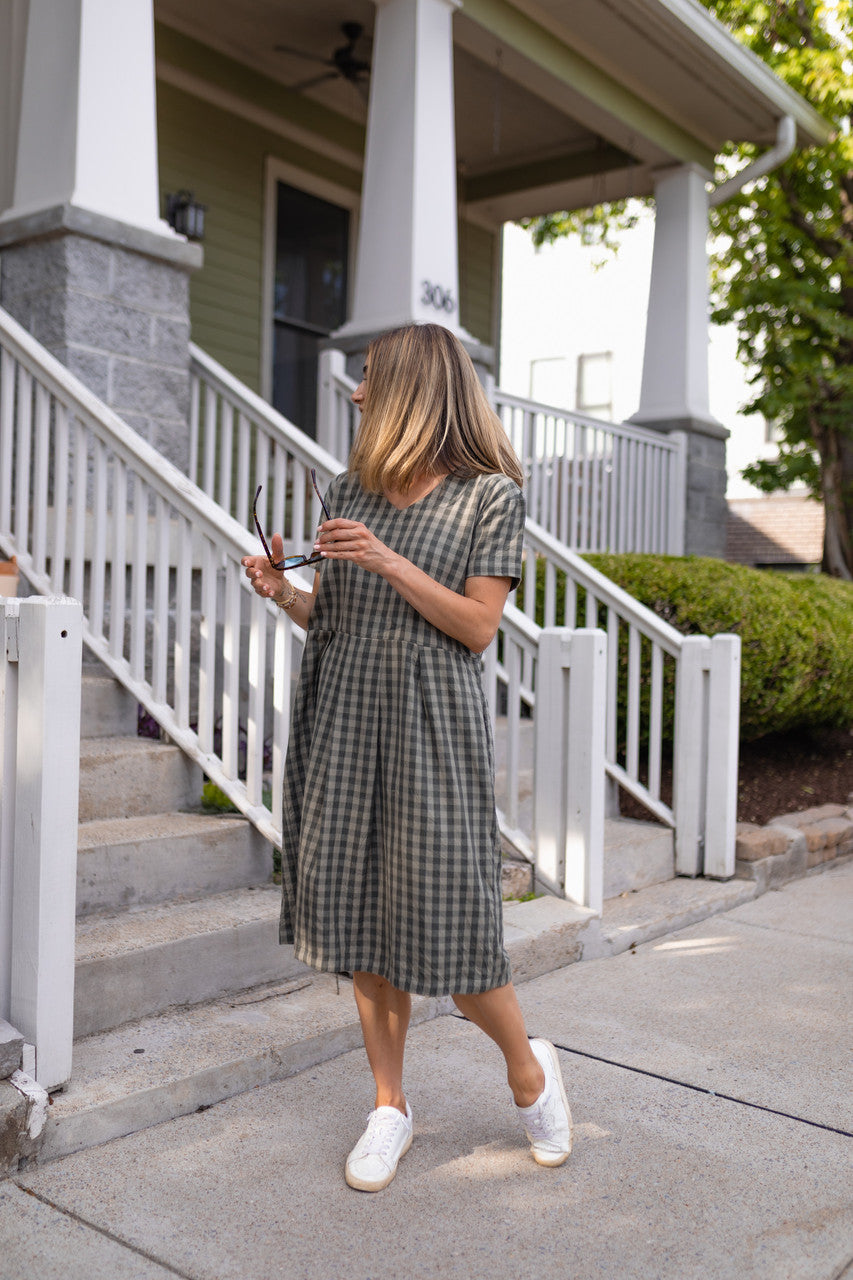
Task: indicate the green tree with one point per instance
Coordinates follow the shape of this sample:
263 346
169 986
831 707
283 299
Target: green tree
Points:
782 262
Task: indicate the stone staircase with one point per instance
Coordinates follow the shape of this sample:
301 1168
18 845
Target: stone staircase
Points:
174 906
183 994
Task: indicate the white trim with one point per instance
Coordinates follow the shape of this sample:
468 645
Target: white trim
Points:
756 73
275 171
237 106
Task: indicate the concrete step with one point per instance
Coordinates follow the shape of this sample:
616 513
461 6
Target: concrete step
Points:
636 855
138 962
131 862
157 1067
127 777
107 710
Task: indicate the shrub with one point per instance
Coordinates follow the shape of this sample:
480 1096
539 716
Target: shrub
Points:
796 632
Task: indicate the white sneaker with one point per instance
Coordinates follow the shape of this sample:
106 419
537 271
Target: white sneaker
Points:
548 1122
372 1163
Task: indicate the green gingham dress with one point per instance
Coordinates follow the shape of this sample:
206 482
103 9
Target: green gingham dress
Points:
391 854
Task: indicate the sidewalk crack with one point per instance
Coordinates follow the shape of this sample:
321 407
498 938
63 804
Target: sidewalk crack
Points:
102 1231
698 1088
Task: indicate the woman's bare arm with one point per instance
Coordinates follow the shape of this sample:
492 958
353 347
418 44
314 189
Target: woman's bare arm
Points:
472 618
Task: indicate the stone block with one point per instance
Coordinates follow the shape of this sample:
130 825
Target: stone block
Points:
805 817
158 287
170 342
45 319
108 326
762 842
37 266
819 854
836 830
13 1127
88 265
149 389
11 1049
778 869
91 367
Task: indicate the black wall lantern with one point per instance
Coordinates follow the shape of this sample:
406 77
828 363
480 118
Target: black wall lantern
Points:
185 215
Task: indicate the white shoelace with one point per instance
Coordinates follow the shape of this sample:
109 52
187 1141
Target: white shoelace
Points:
380 1133
543 1123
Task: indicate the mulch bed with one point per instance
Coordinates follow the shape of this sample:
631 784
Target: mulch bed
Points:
782 773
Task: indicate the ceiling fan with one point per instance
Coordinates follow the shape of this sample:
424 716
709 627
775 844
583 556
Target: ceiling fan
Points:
343 61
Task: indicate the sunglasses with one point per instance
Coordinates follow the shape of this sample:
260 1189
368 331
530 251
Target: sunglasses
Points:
289 562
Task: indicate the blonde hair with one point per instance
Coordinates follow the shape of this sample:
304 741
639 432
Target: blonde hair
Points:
425 413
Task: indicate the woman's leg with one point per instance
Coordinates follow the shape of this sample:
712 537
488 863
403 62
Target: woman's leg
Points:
497 1012
384 1012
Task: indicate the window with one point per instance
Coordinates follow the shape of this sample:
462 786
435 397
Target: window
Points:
594 393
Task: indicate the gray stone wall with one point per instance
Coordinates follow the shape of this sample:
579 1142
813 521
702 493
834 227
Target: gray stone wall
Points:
705 511
113 312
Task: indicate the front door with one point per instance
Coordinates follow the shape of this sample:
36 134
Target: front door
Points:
309 299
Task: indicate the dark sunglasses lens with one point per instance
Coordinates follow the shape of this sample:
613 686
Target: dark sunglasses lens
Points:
293 562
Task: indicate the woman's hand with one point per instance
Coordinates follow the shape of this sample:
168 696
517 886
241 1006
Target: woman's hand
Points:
270 583
266 581
349 540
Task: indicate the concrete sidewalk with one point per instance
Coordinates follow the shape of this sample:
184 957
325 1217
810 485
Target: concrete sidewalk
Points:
709 1076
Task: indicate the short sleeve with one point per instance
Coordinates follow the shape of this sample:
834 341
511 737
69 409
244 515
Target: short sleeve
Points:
496 545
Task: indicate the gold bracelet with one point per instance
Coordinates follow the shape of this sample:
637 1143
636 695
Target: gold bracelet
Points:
288 603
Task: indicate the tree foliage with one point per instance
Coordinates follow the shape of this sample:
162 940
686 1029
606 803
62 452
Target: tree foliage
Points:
782 263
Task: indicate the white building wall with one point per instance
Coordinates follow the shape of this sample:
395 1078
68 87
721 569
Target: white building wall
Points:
557 305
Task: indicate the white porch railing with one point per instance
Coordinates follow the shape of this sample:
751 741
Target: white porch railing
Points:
565 672
238 441
647 659
598 486
593 485
91 510
40 678
654 674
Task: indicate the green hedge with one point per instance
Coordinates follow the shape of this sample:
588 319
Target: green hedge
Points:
796 632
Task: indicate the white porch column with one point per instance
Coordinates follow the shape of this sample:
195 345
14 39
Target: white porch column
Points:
675 365
87 134
674 393
86 264
407 262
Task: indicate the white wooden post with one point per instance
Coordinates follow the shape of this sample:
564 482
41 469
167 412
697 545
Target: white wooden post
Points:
723 732
45 640
8 765
569 763
330 421
688 800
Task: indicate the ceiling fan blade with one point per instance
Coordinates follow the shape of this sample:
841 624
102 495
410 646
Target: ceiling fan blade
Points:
298 53
309 84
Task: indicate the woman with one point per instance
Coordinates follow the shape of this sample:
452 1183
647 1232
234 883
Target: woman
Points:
391 855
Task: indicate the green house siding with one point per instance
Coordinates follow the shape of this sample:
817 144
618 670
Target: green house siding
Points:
221 158
478 258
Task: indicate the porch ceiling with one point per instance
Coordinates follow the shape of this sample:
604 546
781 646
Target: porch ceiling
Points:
557 104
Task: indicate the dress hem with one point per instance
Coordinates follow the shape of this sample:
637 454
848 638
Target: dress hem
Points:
411 987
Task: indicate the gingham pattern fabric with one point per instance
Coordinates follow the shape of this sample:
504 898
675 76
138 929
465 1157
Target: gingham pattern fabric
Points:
391 858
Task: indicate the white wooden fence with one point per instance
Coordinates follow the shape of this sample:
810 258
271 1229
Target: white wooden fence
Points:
40 654
645 655
92 510
654 673
598 486
89 508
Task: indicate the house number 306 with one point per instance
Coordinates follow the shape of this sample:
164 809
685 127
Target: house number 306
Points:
434 295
